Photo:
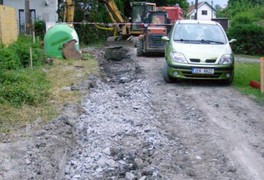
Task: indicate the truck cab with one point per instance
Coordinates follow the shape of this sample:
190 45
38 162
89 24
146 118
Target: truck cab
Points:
156 25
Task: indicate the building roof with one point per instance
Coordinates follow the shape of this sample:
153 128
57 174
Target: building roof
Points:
191 8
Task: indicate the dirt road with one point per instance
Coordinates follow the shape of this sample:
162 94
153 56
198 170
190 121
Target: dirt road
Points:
132 125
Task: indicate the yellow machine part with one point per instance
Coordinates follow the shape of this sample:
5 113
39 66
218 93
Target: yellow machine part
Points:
68 11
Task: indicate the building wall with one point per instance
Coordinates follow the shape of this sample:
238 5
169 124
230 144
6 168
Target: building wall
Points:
210 13
44 9
8 34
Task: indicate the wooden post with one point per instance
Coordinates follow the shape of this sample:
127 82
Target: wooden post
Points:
262 74
34 37
27 17
30 55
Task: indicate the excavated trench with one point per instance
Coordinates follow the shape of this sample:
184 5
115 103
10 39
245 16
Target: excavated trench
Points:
131 125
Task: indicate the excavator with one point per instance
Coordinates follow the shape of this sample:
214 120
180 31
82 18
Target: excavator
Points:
142 26
123 27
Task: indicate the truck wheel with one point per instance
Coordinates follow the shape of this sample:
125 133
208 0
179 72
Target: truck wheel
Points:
140 45
167 78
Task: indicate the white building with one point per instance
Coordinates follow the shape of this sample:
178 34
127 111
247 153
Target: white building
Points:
205 11
45 10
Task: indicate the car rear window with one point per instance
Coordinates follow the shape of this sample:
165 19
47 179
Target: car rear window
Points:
199 33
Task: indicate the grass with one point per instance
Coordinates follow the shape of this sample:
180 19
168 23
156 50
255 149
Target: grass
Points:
61 75
244 73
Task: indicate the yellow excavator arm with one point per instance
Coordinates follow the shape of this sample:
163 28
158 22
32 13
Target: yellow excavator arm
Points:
113 11
68 11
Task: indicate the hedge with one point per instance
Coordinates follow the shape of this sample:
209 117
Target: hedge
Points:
250 39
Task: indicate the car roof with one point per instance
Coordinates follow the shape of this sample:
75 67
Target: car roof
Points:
196 22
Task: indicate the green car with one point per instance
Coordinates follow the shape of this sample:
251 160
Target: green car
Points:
198 50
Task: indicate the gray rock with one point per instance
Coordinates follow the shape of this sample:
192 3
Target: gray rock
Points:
107 151
143 178
139 163
111 163
27 161
130 176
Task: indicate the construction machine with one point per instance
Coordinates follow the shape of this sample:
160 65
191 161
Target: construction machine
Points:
123 27
138 15
126 27
68 14
157 24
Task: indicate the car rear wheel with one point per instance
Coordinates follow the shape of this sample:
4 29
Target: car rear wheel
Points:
167 78
140 45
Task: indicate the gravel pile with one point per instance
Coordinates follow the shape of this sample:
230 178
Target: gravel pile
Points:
117 136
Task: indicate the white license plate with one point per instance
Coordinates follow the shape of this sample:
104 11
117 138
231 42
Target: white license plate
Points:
202 71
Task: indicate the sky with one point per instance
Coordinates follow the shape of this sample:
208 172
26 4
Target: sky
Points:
222 3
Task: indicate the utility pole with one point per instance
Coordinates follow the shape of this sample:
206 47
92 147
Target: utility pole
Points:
212 4
28 18
196 10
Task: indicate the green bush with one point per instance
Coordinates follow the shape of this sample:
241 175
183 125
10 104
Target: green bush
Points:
89 34
25 86
8 59
40 29
258 12
250 39
21 48
18 84
243 18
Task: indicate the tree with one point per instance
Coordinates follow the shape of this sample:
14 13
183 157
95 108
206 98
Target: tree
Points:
183 3
245 2
246 17
218 7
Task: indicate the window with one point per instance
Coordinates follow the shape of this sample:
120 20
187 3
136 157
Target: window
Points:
158 19
198 32
204 12
22 19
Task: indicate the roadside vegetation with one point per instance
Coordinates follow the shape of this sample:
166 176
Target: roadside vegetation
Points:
28 93
244 73
246 19
246 25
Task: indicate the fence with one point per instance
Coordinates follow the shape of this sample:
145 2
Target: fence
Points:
8 25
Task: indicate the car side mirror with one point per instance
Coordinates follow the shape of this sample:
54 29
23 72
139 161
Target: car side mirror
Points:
165 38
232 40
